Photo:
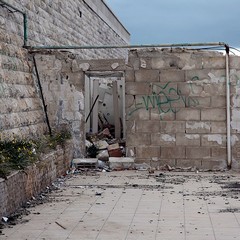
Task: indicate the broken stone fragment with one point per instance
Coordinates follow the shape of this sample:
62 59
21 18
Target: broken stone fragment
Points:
84 66
103 155
114 150
115 65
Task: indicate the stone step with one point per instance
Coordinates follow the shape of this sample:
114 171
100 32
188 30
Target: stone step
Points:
121 163
85 162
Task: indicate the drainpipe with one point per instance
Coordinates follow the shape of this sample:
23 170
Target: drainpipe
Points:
229 150
25 22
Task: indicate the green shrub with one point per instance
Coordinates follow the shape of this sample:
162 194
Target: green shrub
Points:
17 154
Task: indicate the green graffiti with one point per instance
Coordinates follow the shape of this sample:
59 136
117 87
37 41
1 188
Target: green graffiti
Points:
195 78
237 89
163 100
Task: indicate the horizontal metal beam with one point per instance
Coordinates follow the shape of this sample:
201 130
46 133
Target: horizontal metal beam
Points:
129 46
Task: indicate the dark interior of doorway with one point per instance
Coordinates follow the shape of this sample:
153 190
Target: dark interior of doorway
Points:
105 115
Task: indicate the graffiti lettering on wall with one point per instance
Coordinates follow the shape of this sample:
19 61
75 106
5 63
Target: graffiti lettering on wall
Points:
164 98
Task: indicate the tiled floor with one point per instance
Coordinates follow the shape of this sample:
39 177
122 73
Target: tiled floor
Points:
133 205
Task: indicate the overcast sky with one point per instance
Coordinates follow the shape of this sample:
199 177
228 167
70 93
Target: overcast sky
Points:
179 21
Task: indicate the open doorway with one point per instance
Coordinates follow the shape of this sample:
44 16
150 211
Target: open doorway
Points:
105 114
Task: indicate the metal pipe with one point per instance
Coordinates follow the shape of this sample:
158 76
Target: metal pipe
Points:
25 34
229 150
129 46
42 97
25 29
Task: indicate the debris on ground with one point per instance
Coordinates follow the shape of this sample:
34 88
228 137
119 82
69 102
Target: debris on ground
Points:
44 197
60 225
103 145
228 189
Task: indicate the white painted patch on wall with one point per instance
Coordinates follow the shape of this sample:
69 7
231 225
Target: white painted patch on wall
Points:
84 66
192 136
143 63
115 65
168 138
189 67
235 123
198 125
131 153
133 126
215 79
215 138
234 139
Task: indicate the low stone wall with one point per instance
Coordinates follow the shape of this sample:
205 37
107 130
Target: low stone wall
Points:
23 185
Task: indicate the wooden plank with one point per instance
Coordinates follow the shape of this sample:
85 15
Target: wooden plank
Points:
87 103
116 111
123 108
95 109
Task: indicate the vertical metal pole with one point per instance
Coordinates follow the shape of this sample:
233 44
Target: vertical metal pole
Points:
25 29
229 150
42 97
116 111
95 108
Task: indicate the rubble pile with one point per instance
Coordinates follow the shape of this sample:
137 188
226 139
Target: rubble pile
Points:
102 145
104 152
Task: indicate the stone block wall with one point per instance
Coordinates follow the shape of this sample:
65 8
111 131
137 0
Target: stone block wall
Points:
72 22
235 109
176 108
62 75
22 186
21 112
81 22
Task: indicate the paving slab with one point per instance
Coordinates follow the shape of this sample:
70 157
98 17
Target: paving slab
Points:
129 205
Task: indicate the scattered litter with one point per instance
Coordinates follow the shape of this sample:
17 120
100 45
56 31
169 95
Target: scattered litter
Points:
101 164
142 166
60 225
103 155
5 219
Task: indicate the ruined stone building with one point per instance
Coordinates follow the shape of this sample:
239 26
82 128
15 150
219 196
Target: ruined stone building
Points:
179 107
48 23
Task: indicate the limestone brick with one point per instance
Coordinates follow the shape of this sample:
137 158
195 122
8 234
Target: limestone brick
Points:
234 62
217 152
213 114
183 139
218 127
214 62
160 139
172 76
189 163
214 164
172 126
198 127
162 114
137 88
148 152
213 140
147 126
138 139
147 75
129 76
173 152
198 152
189 114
